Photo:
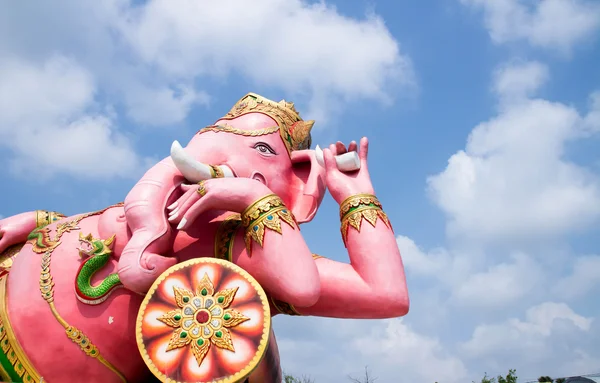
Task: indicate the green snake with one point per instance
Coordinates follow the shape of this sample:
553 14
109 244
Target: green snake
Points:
99 252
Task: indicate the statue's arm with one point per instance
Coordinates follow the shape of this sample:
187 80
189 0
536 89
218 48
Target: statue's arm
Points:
15 229
371 286
283 264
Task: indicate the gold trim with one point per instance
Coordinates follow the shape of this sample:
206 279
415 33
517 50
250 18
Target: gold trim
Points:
224 238
294 132
18 357
201 189
284 307
264 341
247 133
45 217
47 289
265 213
216 171
354 208
317 256
357 200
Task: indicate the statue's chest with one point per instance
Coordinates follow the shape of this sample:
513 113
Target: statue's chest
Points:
209 239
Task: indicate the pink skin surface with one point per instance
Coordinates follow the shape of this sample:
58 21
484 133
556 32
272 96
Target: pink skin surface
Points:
371 286
15 229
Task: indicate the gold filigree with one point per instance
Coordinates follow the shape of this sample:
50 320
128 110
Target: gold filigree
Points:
266 213
203 318
225 235
216 172
8 256
357 200
10 345
46 285
45 217
293 130
284 307
353 209
200 352
241 132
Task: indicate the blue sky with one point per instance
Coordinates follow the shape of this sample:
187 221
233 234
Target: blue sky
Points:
483 121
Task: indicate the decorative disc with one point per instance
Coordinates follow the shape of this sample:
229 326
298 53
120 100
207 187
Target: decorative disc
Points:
203 320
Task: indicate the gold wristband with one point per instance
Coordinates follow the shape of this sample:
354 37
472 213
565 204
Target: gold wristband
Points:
265 213
354 208
216 172
284 307
45 217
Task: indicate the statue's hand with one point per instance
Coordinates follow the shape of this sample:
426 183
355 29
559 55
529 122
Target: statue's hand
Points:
15 229
342 185
228 194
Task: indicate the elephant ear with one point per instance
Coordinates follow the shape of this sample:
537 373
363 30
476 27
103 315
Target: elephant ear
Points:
309 188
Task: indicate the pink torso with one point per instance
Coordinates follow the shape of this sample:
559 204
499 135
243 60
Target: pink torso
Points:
109 325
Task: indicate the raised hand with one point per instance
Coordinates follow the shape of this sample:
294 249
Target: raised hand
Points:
227 194
344 184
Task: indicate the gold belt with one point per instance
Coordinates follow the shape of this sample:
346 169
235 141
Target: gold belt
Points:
11 347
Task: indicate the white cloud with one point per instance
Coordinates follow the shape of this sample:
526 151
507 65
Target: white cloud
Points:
502 284
554 24
584 278
550 339
513 180
152 56
390 348
516 81
49 119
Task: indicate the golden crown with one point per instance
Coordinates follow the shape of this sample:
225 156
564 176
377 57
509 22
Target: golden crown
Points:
293 130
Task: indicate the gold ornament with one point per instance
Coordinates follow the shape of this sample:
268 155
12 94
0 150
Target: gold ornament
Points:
225 236
294 131
201 189
11 347
216 172
284 307
265 213
240 132
354 208
46 285
45 217
202 319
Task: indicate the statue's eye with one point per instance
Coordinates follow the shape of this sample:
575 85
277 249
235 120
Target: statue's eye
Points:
264 148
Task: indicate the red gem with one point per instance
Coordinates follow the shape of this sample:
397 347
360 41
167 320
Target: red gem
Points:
202 316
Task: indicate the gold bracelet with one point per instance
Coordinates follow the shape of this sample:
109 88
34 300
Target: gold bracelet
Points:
265 213
216 172
45 217
354 208
284 307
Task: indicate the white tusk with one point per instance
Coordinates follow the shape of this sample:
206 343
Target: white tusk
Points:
226 171
191 169
347 162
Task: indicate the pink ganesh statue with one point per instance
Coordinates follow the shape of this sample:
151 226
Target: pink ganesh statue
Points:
179 282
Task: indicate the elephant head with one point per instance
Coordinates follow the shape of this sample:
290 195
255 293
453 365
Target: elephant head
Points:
259 139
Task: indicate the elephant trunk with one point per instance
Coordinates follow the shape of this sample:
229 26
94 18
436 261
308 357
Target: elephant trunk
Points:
142 259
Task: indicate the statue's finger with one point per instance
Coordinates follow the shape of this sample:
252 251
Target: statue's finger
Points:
340 148
352 147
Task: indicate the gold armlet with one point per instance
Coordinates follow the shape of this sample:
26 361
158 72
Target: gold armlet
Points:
317 256
266 213
45 217
284 307
225 236
354 208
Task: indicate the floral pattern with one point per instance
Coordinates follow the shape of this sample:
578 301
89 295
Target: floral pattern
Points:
202 319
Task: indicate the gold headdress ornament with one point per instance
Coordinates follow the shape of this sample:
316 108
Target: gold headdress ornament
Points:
293 130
